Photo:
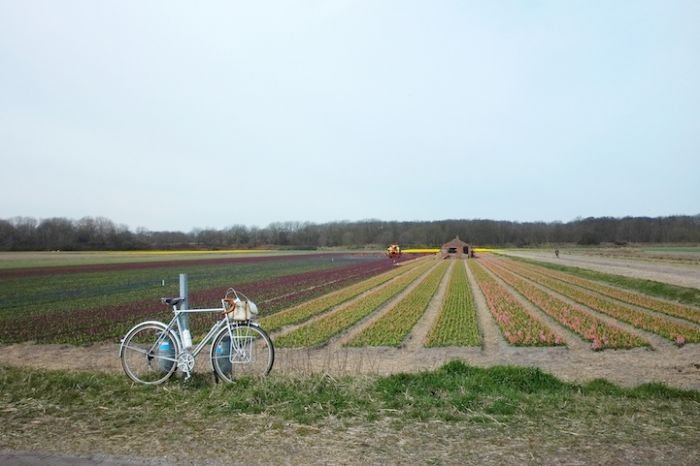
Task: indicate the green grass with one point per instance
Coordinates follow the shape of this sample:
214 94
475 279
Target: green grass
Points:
24 259
498 414
690 250
454 392
653 288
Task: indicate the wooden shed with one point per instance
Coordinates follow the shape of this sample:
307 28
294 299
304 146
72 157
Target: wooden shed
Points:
457 248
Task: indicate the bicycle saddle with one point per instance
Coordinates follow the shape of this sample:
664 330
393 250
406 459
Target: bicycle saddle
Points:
172 301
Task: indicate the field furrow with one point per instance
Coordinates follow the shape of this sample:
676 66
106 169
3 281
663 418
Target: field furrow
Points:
677 332
393 327
590 328
517 325
321 304
320 331
665 307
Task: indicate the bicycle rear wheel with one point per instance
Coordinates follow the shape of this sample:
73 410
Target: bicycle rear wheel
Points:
149 353
246 351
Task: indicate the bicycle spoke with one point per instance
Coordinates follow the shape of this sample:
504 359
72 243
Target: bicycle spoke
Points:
244 351
158 347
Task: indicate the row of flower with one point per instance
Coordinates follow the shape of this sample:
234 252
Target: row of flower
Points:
666 307
256 259
319 331
109 322
601 334
456 325
517 325
677 332
308 309
65 291
392 328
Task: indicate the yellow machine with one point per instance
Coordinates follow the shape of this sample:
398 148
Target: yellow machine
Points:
393 251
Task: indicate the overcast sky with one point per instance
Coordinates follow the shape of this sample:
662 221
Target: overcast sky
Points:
176 115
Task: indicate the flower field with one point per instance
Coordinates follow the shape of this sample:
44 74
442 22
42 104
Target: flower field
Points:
682 311
309 300
589 327
518 326
71 288
308 309
320 331
677 332
81 307
456 325
393 327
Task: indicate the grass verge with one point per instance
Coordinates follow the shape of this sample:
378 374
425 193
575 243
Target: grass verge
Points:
454 392
317 419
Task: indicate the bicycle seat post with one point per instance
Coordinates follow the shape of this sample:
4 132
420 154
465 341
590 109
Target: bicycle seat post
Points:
183 318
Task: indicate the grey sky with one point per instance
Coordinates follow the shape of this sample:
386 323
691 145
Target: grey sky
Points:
174 115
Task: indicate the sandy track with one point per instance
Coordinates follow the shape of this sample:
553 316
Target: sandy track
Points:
678 367
682 275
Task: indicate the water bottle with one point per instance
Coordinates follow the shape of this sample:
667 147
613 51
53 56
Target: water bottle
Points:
183 321
166 350
223 355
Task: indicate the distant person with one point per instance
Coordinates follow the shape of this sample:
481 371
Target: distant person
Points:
556 252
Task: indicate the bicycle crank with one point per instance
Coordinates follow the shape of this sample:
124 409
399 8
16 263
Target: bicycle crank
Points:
185 363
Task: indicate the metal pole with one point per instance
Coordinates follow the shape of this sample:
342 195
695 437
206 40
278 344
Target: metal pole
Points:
183 319
184 292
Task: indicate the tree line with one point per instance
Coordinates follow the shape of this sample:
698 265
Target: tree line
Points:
99 233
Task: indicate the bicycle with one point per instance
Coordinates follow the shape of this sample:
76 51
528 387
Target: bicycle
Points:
151 352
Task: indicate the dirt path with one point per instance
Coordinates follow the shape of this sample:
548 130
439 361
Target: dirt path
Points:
681 275
416 339
491 339
572 341
677 367
347 336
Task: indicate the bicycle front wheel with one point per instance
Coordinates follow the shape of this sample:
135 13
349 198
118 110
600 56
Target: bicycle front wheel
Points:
246 351
149 353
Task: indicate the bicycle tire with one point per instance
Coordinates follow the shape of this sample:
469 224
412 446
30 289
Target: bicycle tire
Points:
149 353
249 353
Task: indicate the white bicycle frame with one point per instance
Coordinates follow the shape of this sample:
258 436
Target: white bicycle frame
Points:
175 322
178 335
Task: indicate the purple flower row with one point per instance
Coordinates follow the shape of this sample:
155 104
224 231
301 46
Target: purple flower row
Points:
108 322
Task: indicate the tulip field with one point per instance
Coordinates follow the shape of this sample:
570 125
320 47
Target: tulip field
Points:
321 330
80 305
659 324
599 333
519 327
350 300
393 327
530 305
457 324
